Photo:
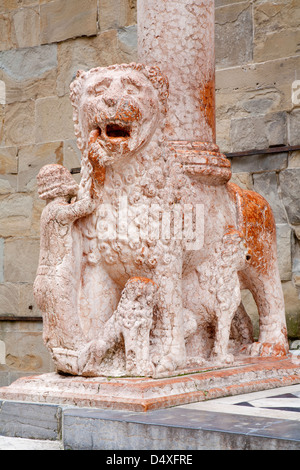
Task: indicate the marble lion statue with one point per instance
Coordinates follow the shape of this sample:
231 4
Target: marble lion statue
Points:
170 241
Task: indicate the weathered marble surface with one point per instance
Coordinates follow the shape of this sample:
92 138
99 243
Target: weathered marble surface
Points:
179 37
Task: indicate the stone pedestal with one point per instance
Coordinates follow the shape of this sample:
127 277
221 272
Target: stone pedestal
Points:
146 394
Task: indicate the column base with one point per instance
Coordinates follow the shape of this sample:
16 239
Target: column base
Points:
202 161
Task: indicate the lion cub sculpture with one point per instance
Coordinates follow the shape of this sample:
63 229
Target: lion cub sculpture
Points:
159 290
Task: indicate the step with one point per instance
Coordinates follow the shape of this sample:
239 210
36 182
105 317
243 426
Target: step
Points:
264 420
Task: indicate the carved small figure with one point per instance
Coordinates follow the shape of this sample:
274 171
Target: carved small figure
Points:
57 283
130 326
220 291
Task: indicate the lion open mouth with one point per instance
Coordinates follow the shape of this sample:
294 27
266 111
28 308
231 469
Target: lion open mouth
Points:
117 131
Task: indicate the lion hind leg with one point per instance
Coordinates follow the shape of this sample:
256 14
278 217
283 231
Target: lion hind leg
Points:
268 296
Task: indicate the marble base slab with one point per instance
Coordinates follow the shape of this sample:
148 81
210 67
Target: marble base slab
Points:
146 394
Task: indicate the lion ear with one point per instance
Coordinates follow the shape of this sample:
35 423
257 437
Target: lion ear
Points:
80 73
76 84
77 76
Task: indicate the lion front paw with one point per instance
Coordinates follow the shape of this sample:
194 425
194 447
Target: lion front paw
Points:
143 369
266 349
91 355
222 358
166 364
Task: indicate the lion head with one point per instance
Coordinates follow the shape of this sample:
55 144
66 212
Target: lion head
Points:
119 106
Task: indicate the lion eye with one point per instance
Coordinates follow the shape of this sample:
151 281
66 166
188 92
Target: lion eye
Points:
100 90
100 87
95 91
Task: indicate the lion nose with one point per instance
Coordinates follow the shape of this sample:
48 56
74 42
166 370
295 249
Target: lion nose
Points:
109 101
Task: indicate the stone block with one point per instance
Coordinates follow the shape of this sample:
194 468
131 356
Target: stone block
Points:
292 309
27 306
233 34
117 14
8 184
127 43
270 16
29 73
25 350
294 159
270 80
28 63
243 180
7 39
266 184
17 300
297 231
72 157
25 3
38 206
31 160
294 127
296 266
54 119
261 75
6 5
1 261
289 184
67 19
84 54
222 3
30 420
174 429
223 133
258 103
259 163
276 29
259 132
19 125
2 119
8 161
21 259
284 251
26 24
9 297
15 215
2 352
276 44
249 102
2 93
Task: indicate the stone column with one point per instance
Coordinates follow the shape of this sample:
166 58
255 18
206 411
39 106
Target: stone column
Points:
178 36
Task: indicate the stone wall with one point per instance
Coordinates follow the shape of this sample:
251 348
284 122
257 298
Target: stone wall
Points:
257 60
43 44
